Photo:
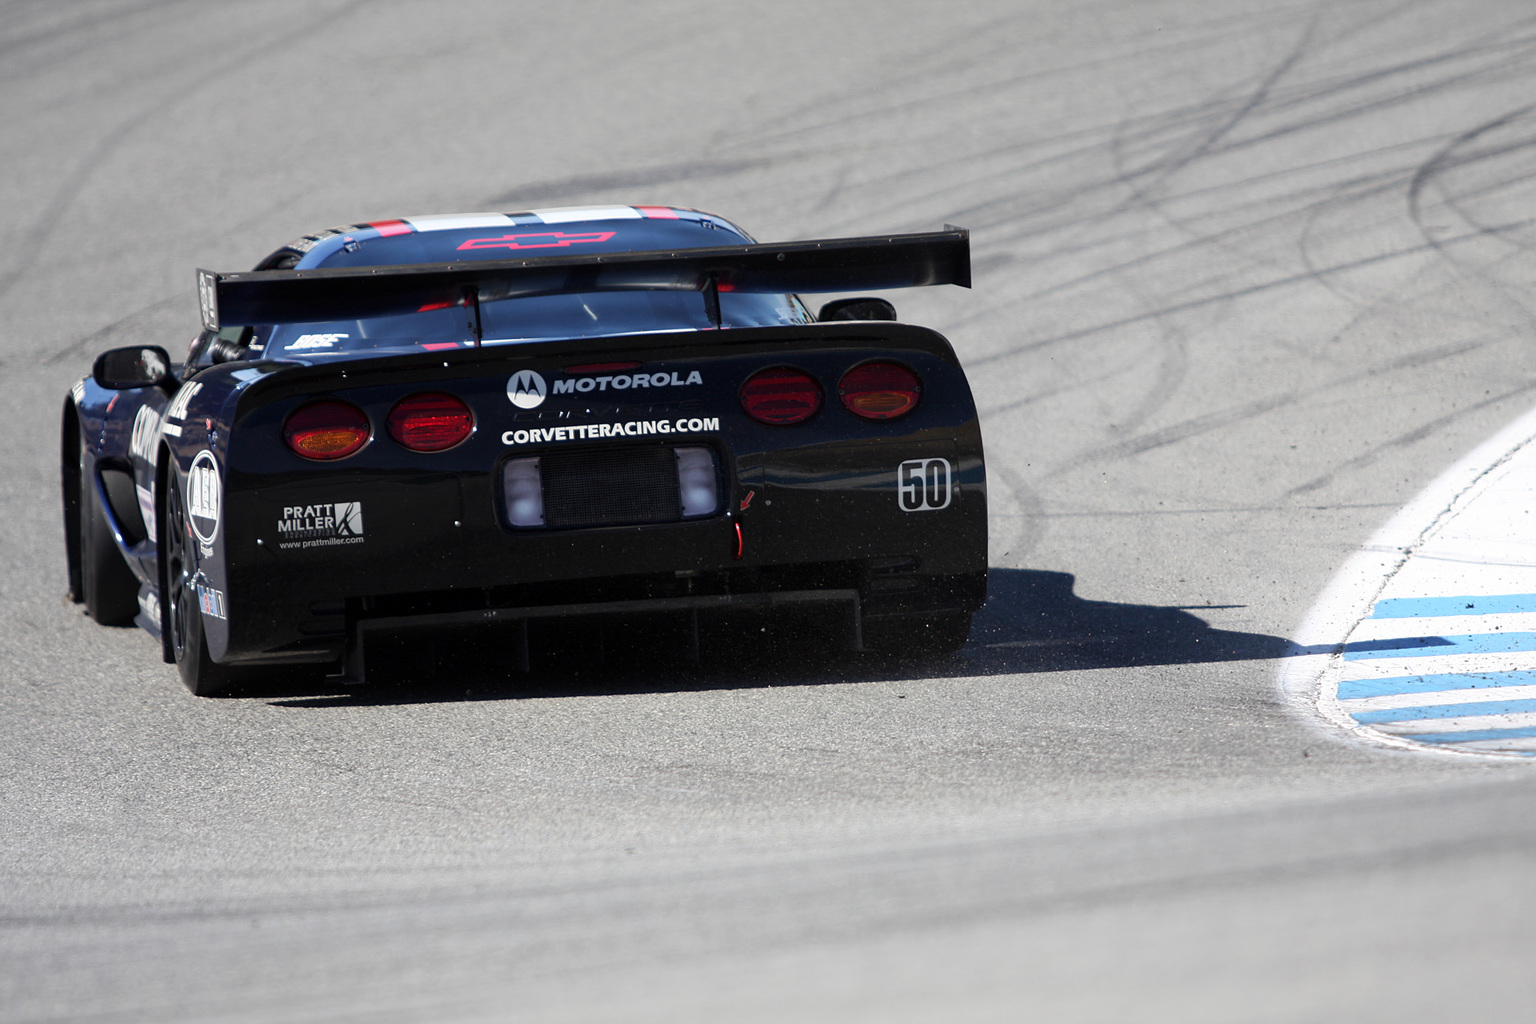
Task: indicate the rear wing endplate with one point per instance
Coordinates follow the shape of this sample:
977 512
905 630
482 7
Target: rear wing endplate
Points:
827 265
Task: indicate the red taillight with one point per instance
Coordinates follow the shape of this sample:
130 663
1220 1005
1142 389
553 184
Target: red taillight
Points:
781 396
327 430
880 391
430 422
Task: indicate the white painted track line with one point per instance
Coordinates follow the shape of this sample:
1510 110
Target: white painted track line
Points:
1436 614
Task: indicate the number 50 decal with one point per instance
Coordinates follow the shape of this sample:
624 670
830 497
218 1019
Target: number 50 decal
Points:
923 485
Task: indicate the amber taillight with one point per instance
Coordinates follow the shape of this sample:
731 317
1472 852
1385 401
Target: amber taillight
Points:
781 396
430 422
327 430
880 391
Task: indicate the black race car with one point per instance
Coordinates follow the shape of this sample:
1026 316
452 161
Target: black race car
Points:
488 421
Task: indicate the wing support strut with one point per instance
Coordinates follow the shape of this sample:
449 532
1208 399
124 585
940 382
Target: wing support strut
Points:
472 304
712 298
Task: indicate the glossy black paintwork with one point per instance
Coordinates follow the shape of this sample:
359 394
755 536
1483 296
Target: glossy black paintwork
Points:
816 501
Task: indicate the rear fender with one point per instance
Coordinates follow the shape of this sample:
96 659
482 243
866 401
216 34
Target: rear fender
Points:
69 474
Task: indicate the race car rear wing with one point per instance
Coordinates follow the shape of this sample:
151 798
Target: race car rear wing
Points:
827 265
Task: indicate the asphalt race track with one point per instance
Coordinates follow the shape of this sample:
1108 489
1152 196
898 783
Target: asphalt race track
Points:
1250 275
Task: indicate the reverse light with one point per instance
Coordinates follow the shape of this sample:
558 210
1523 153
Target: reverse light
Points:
430 422
327 430
880 391
781 396
523 491
697 482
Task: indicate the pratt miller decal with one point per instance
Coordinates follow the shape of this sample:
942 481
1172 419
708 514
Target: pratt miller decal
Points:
526 389
204 495
316 526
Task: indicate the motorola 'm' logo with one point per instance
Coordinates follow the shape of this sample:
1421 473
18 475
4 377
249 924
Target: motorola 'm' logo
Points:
526 389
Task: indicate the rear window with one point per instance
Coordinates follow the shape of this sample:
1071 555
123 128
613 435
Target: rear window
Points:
538 318
545 317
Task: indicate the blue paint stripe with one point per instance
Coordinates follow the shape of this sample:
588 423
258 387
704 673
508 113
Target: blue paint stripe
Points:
1492 707
1424 607
1352 688
1473 737
1428 646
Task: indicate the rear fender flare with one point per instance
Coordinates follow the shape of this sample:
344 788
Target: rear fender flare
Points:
69 479
164 466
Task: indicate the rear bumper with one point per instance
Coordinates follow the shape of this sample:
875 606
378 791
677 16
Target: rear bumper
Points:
823 519
842 604
337 631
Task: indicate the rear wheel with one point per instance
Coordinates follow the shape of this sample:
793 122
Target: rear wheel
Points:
202 675
108 587
918 635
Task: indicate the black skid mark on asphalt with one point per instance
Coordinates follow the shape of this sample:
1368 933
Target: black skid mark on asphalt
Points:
1209 300
1365 187
563 189
1154 130
1054 391
116 333
1219 419
91 22
1491 57
181 79
1172 367
1456 154
1027 526
1472 155
1148 180
1145 183
1404 440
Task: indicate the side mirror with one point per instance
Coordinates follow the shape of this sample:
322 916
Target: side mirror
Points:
867 308
141 366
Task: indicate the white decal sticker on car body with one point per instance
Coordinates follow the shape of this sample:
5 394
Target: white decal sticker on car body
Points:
204 497
305 341
924 485
621 381
597 431
328 524
178 407
526 389
141 444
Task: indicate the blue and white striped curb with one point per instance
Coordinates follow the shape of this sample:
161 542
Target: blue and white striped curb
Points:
1457 672
1426 638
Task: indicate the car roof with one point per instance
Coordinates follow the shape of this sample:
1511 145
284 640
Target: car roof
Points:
440 238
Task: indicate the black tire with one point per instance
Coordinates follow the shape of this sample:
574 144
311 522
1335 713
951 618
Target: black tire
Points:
201 674
108 587
918 635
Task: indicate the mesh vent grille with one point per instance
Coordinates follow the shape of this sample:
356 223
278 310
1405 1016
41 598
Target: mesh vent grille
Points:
611 487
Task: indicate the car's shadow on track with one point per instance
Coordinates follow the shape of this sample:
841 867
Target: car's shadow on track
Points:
1032 622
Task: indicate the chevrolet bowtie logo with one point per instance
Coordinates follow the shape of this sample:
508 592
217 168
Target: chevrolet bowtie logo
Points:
541 240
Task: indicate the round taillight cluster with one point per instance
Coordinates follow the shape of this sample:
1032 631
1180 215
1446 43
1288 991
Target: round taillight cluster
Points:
430 422
327 430
879 391
332 429
781 395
